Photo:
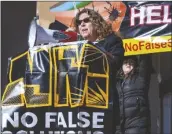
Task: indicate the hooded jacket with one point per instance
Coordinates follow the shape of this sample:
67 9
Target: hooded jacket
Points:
133 99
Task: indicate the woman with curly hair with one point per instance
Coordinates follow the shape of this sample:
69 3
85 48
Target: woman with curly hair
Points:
96 31
100 28
93 28
133 86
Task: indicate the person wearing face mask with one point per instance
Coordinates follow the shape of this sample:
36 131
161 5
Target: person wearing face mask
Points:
96 31
133 85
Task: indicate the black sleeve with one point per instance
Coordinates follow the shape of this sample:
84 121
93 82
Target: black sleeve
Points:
112 46
116 49
145 65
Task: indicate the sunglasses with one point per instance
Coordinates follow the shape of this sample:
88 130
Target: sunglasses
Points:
86 20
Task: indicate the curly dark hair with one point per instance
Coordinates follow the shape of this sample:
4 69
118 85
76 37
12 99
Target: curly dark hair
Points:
102 27
131 60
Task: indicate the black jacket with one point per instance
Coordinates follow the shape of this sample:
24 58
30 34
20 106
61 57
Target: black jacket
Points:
112 45
133 99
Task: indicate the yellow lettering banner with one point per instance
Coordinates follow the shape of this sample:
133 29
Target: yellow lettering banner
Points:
146 45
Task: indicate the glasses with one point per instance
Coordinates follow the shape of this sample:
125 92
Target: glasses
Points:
86 20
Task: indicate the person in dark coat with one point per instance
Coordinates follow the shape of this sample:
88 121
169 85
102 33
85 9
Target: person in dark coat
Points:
133 86
93 28
96 31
